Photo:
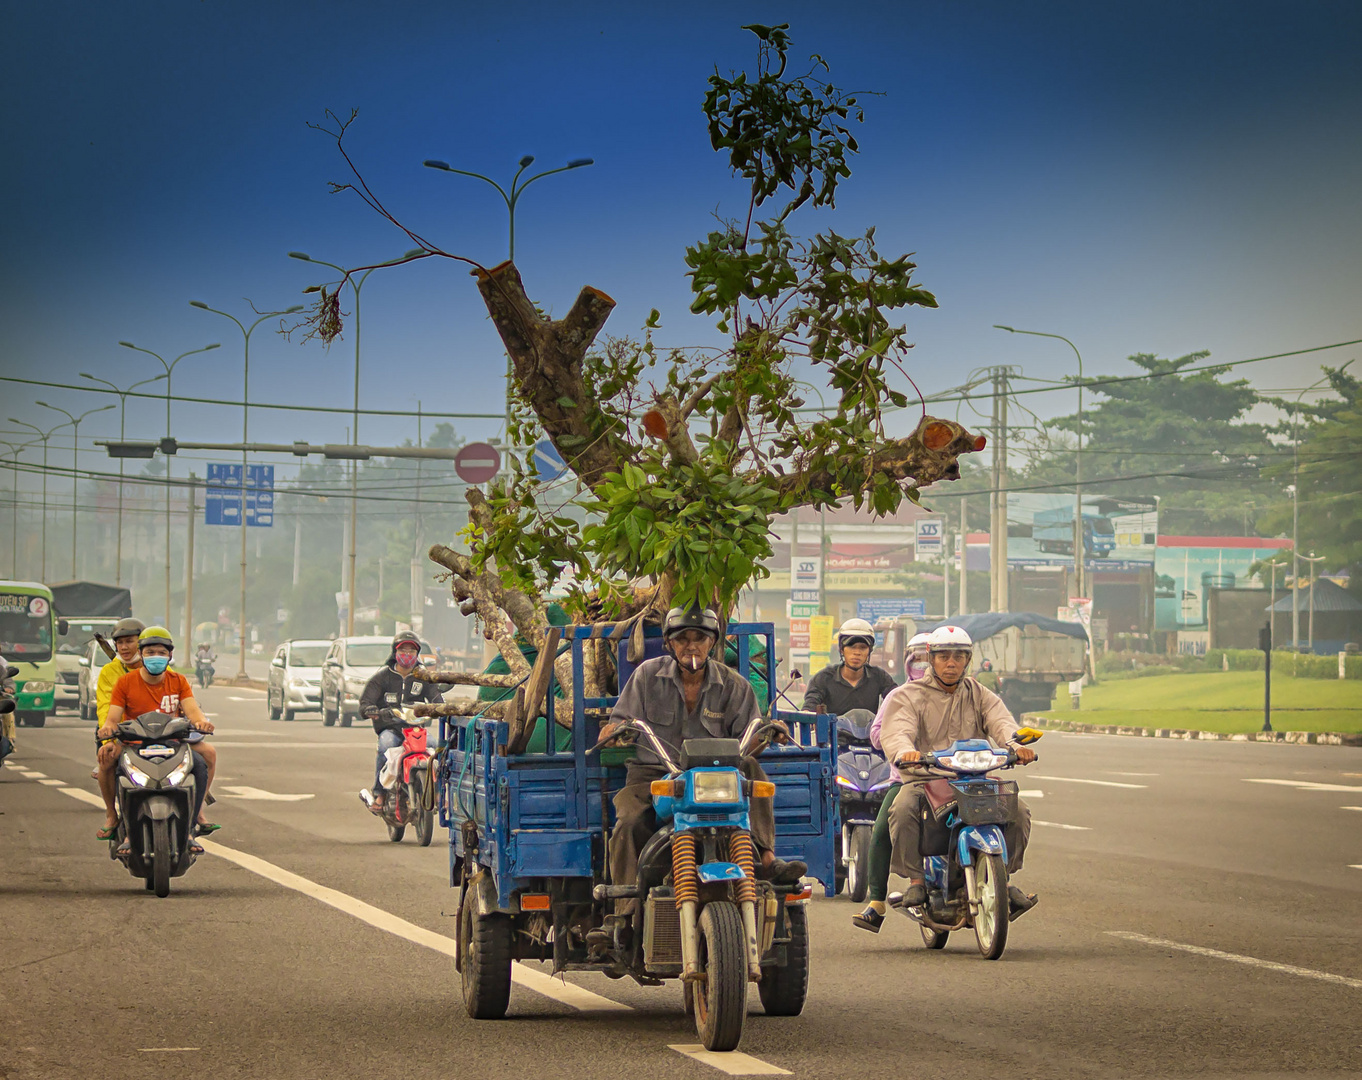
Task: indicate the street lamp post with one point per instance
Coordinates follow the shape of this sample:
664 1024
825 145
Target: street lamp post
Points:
1080 554
511 198
75 468
1312 559
356 283
122 434
15 451
170 370
241 675
44 436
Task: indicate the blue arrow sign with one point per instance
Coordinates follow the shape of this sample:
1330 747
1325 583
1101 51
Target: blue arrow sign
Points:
548 463
222 498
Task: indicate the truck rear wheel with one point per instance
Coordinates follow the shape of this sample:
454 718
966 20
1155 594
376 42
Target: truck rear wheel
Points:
783 989
485 945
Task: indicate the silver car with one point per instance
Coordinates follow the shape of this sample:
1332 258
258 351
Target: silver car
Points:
90 665
295 682
349 664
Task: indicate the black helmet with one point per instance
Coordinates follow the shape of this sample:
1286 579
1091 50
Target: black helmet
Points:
127 628
405 637
696 618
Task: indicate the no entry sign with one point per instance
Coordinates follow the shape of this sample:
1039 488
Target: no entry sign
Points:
477 463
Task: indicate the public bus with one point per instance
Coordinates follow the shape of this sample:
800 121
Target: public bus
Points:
28 631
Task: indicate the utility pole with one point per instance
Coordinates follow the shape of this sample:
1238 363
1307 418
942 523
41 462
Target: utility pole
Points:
822 560
189 569
964 557
997 547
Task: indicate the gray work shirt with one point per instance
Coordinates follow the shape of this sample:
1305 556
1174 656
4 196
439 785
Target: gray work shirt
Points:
653 694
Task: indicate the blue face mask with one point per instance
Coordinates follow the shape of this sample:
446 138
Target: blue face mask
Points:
156 664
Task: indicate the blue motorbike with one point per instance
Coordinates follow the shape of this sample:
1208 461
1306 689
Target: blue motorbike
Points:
964 815
862 777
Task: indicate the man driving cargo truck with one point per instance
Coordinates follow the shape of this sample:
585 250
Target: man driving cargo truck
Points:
682 695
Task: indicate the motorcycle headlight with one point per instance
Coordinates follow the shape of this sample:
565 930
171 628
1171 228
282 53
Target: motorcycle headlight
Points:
178 774
137 776
716 787
846 783
973 760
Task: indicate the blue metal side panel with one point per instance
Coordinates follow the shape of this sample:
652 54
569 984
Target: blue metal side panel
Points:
549 853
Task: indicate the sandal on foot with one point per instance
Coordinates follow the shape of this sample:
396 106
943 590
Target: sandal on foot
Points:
108 832
195 848
204 828
124 850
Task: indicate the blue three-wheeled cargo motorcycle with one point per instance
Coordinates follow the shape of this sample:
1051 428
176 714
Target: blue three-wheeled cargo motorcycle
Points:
528 849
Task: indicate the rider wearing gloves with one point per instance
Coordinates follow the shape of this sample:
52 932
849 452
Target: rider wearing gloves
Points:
684 695
385 694
853 682
927 716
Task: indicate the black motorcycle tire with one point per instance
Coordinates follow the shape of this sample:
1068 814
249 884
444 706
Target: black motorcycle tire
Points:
425 818
990 925
858 864
721 1000
485 945
160 857
396 832
783 990
933 939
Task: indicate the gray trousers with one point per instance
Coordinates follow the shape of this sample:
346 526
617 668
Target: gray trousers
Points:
635 822
905 829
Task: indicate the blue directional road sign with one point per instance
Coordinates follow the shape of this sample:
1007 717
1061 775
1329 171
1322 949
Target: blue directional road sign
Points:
548 463
222 501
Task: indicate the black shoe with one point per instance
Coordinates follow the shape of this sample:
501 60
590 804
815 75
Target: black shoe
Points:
780 872
913 896
869 919
1019 903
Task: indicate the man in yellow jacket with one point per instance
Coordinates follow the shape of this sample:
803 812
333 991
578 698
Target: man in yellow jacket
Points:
125 642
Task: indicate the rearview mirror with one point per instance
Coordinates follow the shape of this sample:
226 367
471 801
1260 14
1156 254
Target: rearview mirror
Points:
63 626
1026 736
84 661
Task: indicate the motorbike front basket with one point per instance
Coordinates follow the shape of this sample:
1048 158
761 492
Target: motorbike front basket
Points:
985 801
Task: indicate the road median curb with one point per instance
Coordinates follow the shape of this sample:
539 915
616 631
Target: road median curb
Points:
1311 738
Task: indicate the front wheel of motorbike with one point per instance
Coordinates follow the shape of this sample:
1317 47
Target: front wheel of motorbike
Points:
933 939
486 943
396 832
783 989
858 864
425 819
160 856
721 1000
990 924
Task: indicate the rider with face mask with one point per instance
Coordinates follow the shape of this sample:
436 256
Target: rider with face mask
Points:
928 716
853 682
389 690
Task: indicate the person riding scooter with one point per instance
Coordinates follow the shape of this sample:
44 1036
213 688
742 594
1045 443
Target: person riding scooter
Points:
916 665
685 695
929 715
385 694
153 687
853 682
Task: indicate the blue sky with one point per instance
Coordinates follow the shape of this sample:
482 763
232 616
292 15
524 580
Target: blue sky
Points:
1153 177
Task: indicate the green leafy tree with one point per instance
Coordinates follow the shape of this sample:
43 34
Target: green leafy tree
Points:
679 459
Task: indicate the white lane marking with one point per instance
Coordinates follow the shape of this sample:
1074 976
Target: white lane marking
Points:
242 791
1355 866
734 1062
1080 780
252 700
366 745
32 774
165 1049
1350 807
1113 772
1251 961
565 992
52 783
1057 825
1304 785
1033 794
83 795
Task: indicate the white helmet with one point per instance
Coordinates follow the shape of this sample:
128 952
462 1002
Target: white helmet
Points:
854 630
918 641
949 639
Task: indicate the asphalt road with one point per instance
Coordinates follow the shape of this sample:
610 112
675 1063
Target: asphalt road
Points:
1193 922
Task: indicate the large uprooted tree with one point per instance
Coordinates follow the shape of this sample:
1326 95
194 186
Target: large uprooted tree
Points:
681 458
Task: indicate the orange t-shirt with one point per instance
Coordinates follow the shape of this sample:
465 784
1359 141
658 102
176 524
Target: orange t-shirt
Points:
138 697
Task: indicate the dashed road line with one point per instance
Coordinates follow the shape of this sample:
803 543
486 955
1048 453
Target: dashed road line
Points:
1350 807
1251 961
1035 793
242 791
1304 785
82 795
733 1062
1057 825
52 783
1081 780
